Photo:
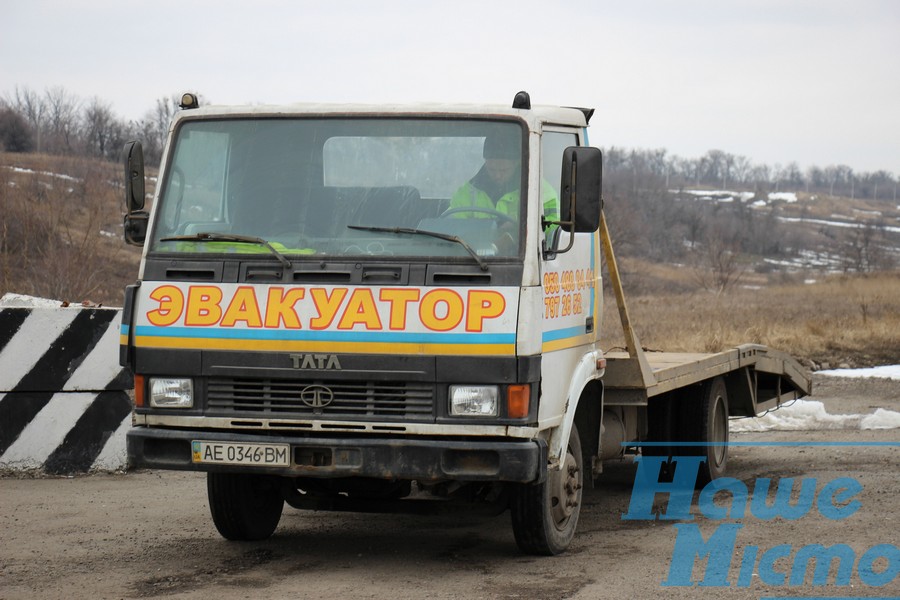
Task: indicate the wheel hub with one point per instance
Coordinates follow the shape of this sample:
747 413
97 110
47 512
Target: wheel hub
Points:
565 487
720 430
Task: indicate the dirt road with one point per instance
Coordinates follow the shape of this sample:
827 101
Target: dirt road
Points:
149 534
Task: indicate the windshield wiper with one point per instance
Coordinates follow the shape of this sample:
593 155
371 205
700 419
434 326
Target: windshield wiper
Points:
434 234
229 237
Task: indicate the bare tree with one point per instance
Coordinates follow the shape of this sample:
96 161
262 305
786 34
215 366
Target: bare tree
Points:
62 120
792 176
101 130
33 107
740 169
154 127
15 135
695 223
865 248
761 176
718 263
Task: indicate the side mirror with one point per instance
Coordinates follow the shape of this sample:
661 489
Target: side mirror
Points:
134 176
579 198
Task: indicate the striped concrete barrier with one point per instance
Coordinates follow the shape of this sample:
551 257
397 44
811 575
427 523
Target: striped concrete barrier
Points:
64 402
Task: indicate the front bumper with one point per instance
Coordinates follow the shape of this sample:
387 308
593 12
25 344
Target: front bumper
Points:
470 459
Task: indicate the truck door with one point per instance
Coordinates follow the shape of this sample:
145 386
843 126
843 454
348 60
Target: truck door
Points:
571 307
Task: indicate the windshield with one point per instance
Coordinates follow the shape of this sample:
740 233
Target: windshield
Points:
345 188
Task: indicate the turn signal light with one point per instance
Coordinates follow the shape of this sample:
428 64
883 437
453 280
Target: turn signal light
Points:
518 401
139 391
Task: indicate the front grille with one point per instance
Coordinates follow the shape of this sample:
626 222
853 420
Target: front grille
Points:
280 398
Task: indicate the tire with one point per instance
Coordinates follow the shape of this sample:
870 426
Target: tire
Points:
244 507
545 515
706 420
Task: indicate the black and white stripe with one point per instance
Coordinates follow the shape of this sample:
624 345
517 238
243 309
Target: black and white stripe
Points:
64 405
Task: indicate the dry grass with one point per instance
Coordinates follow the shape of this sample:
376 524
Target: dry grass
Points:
839 319
61 229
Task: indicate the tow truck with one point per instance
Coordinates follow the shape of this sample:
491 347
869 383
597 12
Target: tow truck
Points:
322 318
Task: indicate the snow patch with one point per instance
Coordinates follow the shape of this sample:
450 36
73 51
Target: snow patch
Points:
810 415
722 196
45 173
11 300
855 225
870 213
881 419
789 197
883 372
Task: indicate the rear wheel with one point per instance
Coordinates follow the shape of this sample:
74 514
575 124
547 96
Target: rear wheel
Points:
706 421
244 507
545 515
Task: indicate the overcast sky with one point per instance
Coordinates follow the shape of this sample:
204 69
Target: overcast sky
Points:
811 81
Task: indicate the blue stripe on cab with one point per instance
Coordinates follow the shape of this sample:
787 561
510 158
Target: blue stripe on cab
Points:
327 336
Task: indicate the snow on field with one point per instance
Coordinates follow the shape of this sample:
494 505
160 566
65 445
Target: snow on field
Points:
854 225
729 196
810 259
806 415
868 213
789 197
45 173
809 415
884 372
724 196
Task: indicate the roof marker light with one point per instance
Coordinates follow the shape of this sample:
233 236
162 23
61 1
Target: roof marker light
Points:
189 100
522 100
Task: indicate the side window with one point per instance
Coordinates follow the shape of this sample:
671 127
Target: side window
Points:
195 189
553 143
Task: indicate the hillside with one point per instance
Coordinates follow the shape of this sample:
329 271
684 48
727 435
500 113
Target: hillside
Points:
726 238
61 229
704 269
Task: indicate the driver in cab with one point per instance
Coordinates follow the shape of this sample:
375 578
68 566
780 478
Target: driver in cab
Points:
495 189
496 185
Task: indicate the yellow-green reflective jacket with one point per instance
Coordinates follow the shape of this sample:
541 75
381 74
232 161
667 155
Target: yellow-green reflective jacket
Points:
508 204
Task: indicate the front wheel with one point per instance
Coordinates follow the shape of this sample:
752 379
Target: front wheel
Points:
545 515
244 507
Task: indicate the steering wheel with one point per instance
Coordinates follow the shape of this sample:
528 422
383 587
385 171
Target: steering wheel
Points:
487 211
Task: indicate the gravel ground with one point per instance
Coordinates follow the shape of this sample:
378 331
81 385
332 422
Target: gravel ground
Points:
148 534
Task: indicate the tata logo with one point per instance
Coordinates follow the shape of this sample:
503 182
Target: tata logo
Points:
316 396
315 361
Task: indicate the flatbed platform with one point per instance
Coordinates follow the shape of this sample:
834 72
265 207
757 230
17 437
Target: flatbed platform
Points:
759 378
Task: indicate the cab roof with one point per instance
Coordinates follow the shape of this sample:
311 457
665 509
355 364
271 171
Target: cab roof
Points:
534 116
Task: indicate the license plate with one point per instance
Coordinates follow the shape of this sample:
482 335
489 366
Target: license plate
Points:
227 453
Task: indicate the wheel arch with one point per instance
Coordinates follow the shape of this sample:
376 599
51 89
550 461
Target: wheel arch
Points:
584 407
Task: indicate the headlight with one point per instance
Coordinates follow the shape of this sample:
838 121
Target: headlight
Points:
474 401
171 393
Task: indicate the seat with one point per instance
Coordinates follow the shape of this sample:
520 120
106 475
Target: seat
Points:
320 212
266 212
386 207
